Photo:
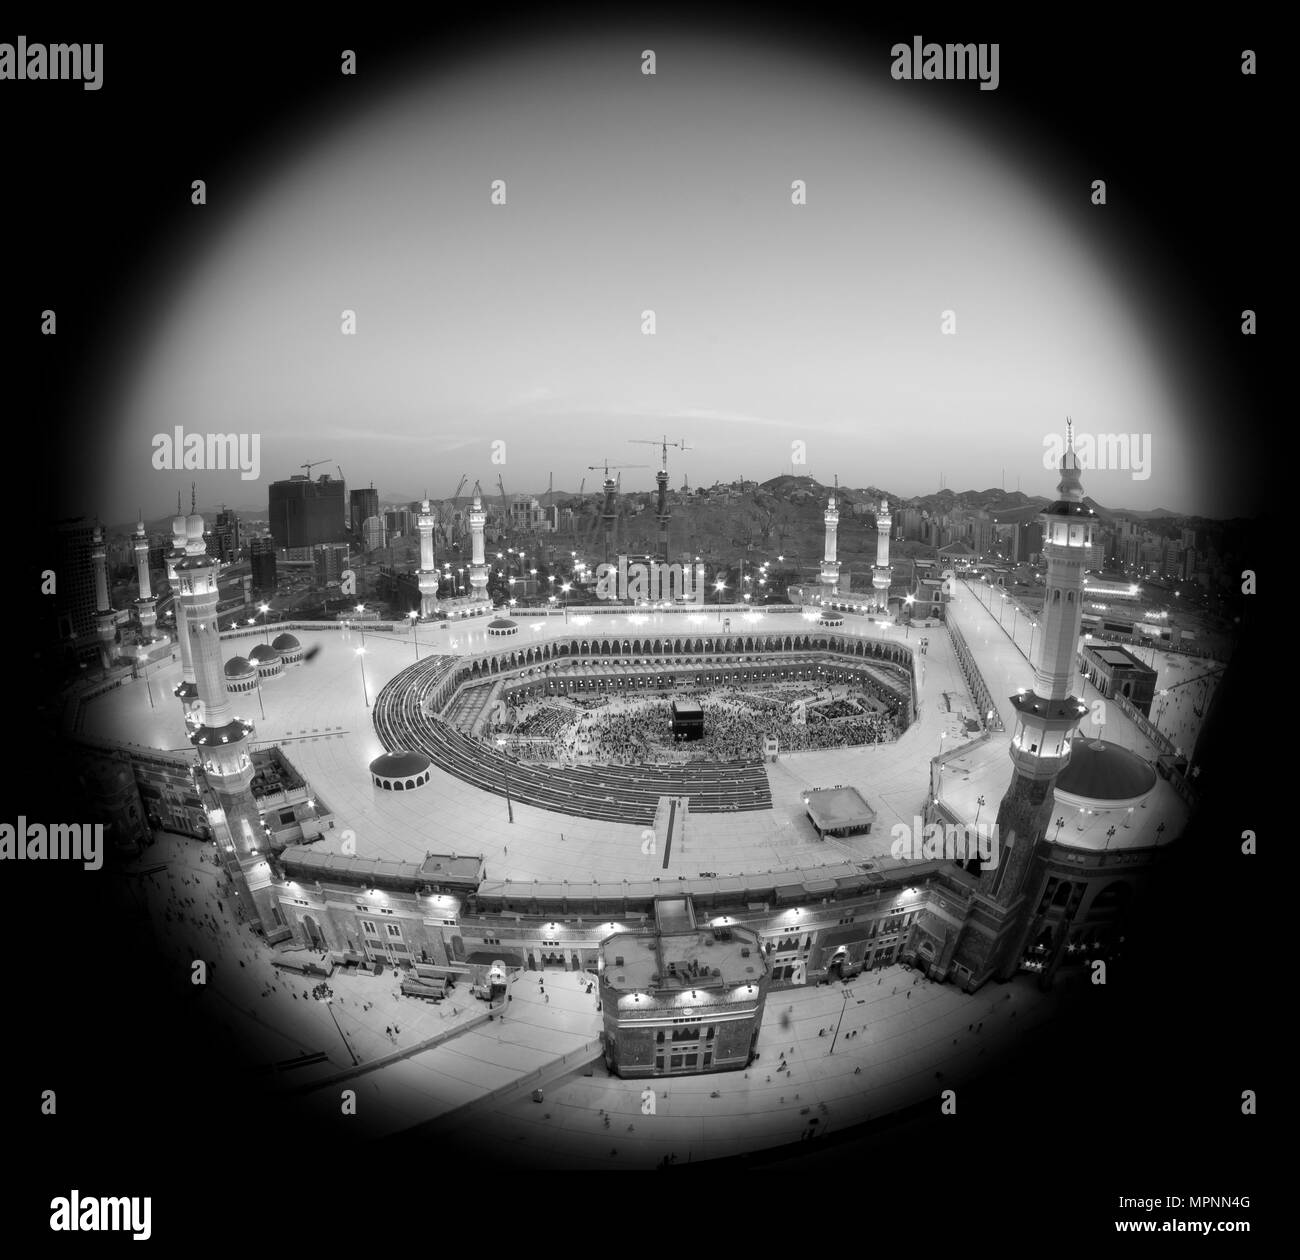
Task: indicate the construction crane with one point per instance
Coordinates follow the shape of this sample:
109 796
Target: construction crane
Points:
607 466
313 464
447 507
664 444
505 504
582 505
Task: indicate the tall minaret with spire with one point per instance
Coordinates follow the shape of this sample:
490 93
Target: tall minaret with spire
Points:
609 514
478 569
830 575
105 621
146 605
222 738
427 576
880 575
1047 716
185 691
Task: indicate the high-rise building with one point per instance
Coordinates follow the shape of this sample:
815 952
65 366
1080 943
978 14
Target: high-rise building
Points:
304 513
223 537
262 551
74 596
330 560
363 504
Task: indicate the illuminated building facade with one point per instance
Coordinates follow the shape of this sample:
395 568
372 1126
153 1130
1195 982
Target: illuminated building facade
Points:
681 999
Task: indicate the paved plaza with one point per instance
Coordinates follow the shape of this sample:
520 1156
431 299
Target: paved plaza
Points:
838 1054
830 1056
317 713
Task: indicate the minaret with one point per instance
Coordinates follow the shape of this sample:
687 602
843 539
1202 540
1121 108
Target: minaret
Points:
146 605
1047 716
880 576
428 572
220 737
478 569
830 576
214 725
185 691
610 512
105 622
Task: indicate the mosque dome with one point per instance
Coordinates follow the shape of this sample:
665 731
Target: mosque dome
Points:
1105 772
285 643
239 667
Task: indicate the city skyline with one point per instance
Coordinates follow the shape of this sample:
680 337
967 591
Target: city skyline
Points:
781 330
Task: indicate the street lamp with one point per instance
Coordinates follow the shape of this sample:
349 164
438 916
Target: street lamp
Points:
566 588
263 609
1033 625
361 656
719 586
148 686
505 774
415 631
329 1006
844 993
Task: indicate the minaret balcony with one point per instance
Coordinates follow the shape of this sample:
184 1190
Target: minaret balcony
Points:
215 736
1034 710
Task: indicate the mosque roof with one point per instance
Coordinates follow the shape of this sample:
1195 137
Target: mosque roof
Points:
1102 771
399 765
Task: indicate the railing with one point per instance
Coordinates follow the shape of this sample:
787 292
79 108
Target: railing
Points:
570 1062
1143 723
980 693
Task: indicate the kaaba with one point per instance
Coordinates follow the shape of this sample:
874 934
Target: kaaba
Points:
688 720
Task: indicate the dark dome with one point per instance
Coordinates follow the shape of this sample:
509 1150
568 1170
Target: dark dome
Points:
263 654
239 666
1102 771
399 765
502 623
285 643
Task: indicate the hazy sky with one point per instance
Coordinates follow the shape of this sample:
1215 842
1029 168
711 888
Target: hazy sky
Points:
775 323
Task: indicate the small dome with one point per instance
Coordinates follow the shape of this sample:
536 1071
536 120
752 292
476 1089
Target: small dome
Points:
285 643
1102 771
239 667
263 654
502 623
399 765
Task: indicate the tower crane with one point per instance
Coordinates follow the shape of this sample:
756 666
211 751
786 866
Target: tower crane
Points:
664 444
313 464
607 466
